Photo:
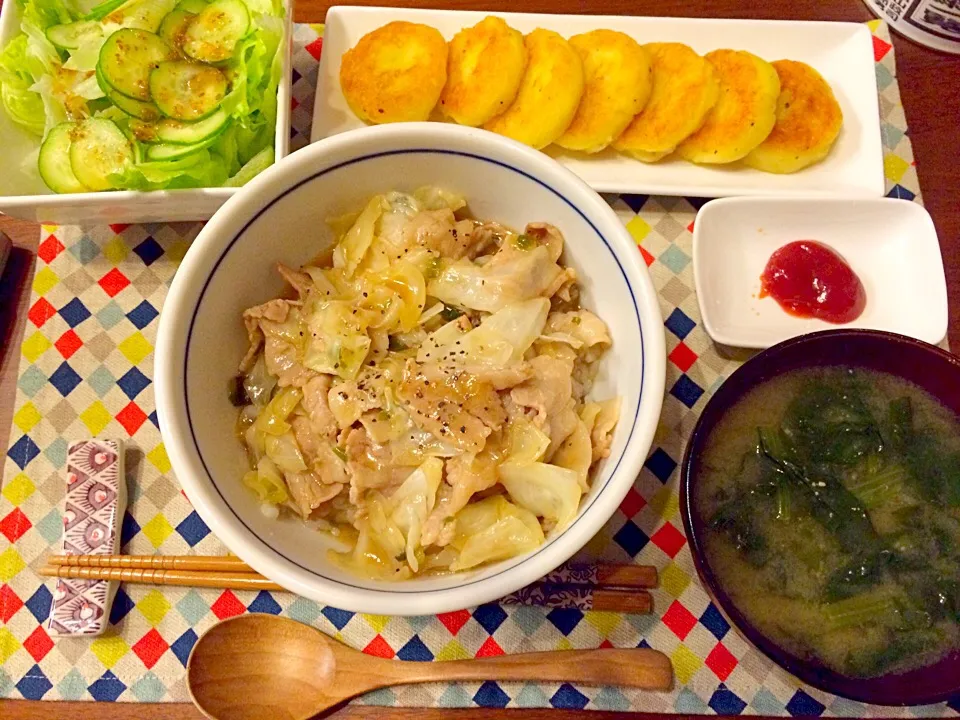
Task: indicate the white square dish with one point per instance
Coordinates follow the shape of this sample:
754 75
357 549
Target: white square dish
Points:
841 52
24 195
890 244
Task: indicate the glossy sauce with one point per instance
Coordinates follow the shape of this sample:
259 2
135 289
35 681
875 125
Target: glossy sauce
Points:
809 279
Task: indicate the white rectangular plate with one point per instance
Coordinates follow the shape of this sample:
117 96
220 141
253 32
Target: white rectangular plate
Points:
890 244
842 52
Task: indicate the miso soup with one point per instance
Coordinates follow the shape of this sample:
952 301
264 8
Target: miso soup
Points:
831 501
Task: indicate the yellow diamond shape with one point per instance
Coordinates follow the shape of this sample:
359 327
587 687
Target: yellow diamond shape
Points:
685 663
158 456
660 502
177 250
35 346
96 417
638 228
604 622
157 530
874 25
674 580
10 564
18 489
894 167
317 28
564 644
377 622
116 250
109 649
8 645
50 229
27 416
135 348
453 651
154 607
44 281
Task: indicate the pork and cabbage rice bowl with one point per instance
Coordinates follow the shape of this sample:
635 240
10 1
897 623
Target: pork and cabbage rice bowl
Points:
423 392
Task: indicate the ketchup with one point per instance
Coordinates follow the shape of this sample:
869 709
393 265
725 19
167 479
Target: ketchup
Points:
809 279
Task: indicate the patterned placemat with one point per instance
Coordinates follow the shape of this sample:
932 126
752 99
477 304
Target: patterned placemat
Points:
86 370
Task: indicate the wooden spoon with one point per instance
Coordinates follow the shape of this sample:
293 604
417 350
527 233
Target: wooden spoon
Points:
258 666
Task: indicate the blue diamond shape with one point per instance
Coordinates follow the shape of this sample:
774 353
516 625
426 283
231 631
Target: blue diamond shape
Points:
337 617
802 705
954 704
133 383
686 391
183 645
565 619
635 202
631 538
23 451
154 419
108 688
39 603
490 695
34 685
679 324
661 465
898 191
295 75
713 621
193 529
725 702
122 604
569 698
128 529
74 312
149 251
64 379
490 617
142 315
415 650
264 603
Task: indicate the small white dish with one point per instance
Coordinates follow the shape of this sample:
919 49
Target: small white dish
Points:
24 195
890 244
841 51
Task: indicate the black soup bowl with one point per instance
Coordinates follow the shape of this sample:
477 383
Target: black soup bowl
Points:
933 369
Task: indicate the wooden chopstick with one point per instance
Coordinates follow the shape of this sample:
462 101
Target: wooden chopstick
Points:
186 578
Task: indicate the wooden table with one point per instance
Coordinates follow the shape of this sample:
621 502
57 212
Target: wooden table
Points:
928 85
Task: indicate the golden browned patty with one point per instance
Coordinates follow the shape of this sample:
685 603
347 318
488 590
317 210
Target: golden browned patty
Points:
684 90
395 73
808 121
744 114
617 76
484 71
549 92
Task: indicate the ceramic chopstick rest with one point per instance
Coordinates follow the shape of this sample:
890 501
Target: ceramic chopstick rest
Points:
93 510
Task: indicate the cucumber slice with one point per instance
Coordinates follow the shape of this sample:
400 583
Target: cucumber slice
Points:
186 90
128 57
192 6
142 14
214 33
146 111
174 25
99 149
169 151
176 132
70 36
54 161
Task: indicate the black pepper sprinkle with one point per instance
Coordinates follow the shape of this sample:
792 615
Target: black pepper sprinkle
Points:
365 295
463 428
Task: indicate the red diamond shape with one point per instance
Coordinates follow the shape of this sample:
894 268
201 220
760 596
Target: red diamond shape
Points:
15 525
315 48
41 312
9 603
227 606
150 648
721 661
679 619
131 417
606 644
632 503
380 648
49 249
647 257
113 282
690 227
489 648
68 343
669 539
453 621
294 103
880 48
683 357
119 228
38 644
